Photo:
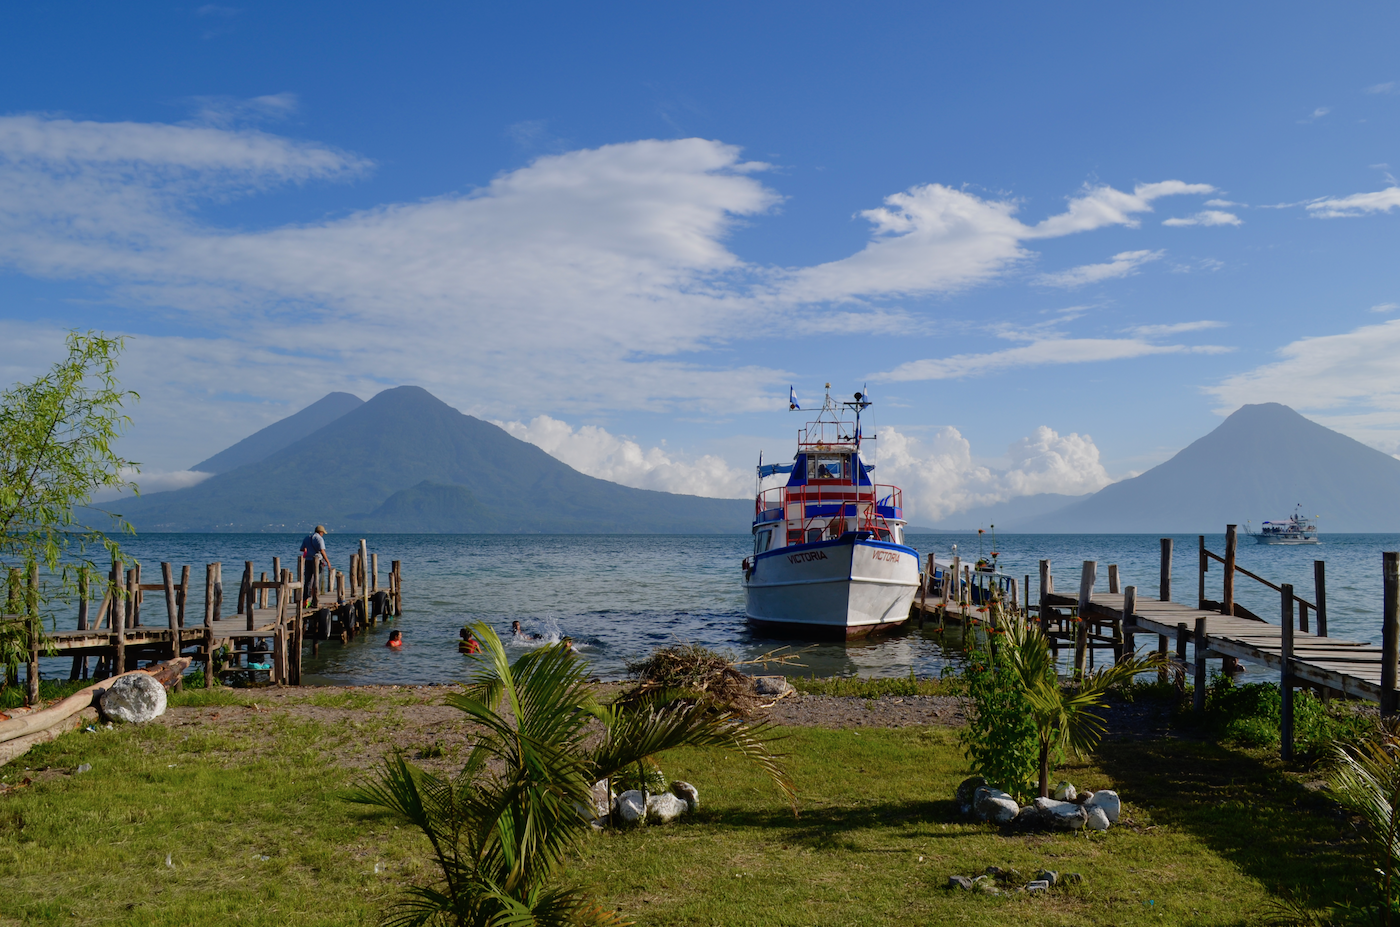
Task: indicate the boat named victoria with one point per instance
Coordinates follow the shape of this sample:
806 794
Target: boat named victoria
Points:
829 558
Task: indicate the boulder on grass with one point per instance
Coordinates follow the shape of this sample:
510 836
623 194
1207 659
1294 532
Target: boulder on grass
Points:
686 793
1064 815
134 699
630 807
1065 791
664 808
771 685
1106 799
967 793
995 806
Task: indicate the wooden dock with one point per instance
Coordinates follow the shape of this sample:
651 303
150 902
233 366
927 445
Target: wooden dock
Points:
262 639
1296 645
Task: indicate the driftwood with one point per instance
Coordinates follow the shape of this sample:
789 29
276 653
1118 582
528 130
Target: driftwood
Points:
13 749
25 725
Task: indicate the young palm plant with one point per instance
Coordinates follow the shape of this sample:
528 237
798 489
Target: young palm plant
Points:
1064 716
1366 779
500 830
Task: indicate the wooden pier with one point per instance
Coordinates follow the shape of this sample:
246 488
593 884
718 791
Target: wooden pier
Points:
1296 646
262 638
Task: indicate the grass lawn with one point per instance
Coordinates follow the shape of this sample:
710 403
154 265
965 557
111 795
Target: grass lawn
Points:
241 819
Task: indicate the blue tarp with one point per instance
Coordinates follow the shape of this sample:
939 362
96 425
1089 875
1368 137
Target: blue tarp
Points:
773 469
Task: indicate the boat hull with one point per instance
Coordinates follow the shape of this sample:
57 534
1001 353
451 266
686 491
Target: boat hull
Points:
843 588
1261 539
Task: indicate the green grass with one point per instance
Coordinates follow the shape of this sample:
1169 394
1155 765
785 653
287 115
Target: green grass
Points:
1209 834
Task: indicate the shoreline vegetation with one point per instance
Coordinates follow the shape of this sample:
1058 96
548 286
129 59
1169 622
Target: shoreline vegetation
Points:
233 807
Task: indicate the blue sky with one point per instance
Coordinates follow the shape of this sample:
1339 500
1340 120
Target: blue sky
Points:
1057 244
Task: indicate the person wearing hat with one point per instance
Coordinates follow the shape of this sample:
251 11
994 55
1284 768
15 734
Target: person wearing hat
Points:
312 548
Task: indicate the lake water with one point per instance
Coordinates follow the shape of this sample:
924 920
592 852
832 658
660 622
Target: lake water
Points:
619 597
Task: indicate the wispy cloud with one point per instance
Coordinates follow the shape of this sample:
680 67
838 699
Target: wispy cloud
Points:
1316 114
1387 87
1050 351
1206 217
1385 307
1358 204
1123 264
1223 204
226 112
1174 328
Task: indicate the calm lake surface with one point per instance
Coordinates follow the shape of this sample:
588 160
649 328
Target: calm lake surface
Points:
619 597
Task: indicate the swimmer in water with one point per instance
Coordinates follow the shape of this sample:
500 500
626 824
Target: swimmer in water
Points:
569 642
395 639
524 635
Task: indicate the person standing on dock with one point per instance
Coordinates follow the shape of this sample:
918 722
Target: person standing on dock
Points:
313 548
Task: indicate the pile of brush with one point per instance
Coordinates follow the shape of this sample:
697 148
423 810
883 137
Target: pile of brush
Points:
690 671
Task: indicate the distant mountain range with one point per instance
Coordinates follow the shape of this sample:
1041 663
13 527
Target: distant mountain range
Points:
407 462
1256 465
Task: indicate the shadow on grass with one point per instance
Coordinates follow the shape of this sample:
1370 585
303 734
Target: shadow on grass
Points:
1246 809
828 828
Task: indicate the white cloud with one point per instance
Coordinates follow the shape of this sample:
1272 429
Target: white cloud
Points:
1385 307
227 111
1223 204
1325 372
1358 204
1316 114
1206 217
1387 87
1039 353
593 450
1124 264
149 481
1175 328
940 477
594 269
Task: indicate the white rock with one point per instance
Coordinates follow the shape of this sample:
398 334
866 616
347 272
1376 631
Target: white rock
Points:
134 699
631 807
601 800
771 685
664 808
1063 814
995 805
1107 799
1065 792
1095 819
687 793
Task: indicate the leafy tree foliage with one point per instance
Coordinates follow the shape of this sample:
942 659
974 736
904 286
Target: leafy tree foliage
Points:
500 830
56 436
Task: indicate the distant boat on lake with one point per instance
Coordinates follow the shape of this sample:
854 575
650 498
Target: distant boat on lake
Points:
829 557
1298 529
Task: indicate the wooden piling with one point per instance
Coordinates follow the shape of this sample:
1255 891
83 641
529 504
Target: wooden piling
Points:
1087 577
167 576
396 571
250 601
923 589
210 578
133 615
1045 596
1113 579
182 594
1198 698
1227 597
1390 630
373 573
277 577
35 633
1285 726
1204 567
1164 585
1125 643
1320 584
218 590
80 663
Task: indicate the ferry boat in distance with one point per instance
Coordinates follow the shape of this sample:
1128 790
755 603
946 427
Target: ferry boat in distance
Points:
1299 529
829 558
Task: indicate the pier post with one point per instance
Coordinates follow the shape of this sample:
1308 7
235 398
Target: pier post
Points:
1015 597
1162 652
80 663
1203 569
1045 596
1390 630
1026 603
1320 582
1227 596
364 583
36 632
1164 586
1081 634
966 591
1198 699
1285 726
182 594
1183 635
373 572
167 577
1127 642
132 617
138 599
277 578
957 580
250 601
218 590
396 572
210 574
1113 579
116 618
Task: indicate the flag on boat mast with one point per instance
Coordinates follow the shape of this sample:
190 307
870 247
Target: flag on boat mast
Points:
792 399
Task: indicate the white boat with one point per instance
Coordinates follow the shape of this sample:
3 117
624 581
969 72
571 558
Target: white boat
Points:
1298 529
829 558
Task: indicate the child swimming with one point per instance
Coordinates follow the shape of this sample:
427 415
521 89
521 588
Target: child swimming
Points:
395 639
